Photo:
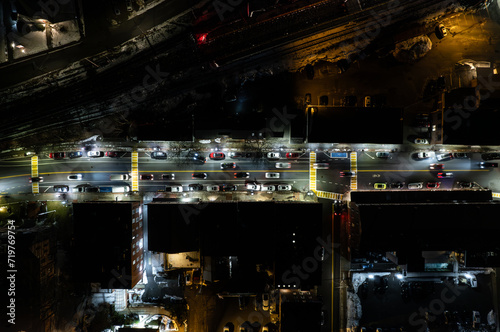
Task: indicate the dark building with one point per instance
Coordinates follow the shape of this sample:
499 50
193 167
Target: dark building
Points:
300 312
281 232
108 243
368 125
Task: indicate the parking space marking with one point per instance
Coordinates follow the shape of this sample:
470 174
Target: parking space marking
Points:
354 168
135 171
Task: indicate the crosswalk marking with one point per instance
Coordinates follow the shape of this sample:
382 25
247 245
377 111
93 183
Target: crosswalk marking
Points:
135 171
354 168
329 195
312 171
497 195
35 188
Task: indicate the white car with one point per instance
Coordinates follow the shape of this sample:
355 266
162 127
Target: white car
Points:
174 189
268 187
423 155
76 177
94 154
416 185
283 165
272 175
273 155
252 186
421 141
284 187
265 302
212 188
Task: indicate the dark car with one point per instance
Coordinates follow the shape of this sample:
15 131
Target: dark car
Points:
237 155
168 176
347 174
147 177
490 156
308 99
199 175
405 291
198 157
158 155
35 179
323 100
241 175
397 185
380 284
349 101
436 166
422 123
57 155
484 165
76 154
292 155
112 154
195 187
61 189
228 187
227 165
92 190
459 155
217 156
464 184
433 185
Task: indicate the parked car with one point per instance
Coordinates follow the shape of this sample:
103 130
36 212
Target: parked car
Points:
158 155
147 177
484 164
422 155
92 189
265 301
200 158
441 31
112 154
268 187
444 175
384 155
228 187
199 175
236 155
444 156
380 185
35 179
252 186
119 177
460 155
128 3
307 99
272 175
490 156
212 188
397 185
61 188
195 187
421 141
76 154
349 101
436 166
464 184
284 187
347 174
292 155
415 185
283 165
76 177
323 100
57 155
168 176
174 189
240 175
217 156
273 155
227 165
95 154
368 101
433 185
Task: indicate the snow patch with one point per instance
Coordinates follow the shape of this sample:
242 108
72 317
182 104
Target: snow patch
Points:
412 49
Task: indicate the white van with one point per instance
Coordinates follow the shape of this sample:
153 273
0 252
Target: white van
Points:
174 189
121 189
119 177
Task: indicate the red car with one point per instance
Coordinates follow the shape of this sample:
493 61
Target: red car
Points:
433 185
147 177
436 166
112 154
292 155
217 156
57 155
